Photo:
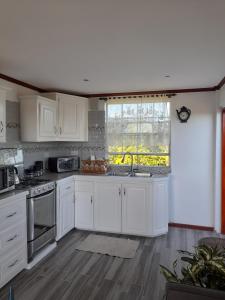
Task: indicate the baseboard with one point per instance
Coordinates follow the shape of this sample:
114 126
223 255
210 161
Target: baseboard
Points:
189 226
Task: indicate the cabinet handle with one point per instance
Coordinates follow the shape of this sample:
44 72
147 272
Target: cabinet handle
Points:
124 191
68 188
13 238
119 191
55 129
13 264
60 130
2 126
91 200
11 215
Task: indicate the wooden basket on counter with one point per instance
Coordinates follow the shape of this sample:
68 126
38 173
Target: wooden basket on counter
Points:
94 166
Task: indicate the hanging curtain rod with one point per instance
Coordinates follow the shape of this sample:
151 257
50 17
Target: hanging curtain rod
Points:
137 96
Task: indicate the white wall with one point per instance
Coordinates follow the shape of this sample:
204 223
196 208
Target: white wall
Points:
13 91
192 160
195 155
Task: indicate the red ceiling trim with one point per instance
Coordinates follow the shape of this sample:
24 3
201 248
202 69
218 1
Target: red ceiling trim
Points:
221 84
209 89
174 91
22 83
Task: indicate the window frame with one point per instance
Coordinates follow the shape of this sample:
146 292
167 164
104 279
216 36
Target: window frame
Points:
138 153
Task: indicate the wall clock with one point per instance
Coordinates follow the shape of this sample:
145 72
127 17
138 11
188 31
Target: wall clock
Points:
183 114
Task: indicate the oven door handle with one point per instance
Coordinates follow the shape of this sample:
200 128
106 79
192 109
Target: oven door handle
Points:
39 197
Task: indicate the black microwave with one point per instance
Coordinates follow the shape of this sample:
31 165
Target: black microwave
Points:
64 163
7 178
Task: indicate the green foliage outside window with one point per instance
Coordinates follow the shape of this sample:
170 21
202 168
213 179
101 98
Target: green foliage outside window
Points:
144 159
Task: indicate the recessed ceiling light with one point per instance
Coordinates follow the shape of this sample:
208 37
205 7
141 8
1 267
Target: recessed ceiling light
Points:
85 79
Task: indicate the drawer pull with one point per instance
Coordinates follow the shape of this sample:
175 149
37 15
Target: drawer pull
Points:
13 238
13 264
68 188
11 215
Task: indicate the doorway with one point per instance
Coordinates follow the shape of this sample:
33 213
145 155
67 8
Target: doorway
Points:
223 175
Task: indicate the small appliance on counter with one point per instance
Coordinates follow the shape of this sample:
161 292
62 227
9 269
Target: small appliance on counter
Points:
16 175
64 164
34 171
7 178
11 168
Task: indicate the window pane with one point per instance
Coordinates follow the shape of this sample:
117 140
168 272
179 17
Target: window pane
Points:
141 160
139 128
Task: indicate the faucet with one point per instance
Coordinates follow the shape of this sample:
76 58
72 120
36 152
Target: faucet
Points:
132 162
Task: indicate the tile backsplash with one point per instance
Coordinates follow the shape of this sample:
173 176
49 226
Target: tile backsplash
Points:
41 151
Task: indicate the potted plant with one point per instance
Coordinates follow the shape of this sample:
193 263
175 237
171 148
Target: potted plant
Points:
204 268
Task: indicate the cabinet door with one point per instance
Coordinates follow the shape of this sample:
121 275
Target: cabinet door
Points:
107 207
47 120
84 210
160 207
2 117
134 208
73 118
65 208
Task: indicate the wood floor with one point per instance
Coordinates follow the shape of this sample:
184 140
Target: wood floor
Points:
68 274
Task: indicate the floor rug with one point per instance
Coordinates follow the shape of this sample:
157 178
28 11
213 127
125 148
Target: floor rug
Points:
119 247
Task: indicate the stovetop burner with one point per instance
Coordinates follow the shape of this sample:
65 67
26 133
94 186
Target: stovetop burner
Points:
36 186
33 182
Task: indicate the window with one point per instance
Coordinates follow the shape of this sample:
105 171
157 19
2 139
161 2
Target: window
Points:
141 127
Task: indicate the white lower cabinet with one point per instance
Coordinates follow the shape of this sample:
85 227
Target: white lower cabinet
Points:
107 207
13 236
84 204
137 206
65 207
2 116
160 210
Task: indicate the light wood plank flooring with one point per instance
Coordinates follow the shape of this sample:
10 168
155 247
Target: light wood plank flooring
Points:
69 274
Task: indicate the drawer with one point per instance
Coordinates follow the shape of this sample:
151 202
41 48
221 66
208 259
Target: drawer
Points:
12 214
12 238
84 186
66 189
66 185
11 265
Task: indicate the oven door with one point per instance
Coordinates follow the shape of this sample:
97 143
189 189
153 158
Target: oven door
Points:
41 214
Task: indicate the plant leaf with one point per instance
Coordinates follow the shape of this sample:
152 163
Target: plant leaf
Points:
170 276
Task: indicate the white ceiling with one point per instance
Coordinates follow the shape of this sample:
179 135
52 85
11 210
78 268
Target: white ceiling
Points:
119 45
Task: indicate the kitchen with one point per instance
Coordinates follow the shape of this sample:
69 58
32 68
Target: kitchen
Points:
85 194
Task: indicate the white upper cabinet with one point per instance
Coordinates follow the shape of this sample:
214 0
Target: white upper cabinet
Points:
47 119
38 118
72 117
2 117
54 117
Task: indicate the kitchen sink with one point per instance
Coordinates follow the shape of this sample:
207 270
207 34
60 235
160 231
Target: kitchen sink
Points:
123 174
128 174
140 174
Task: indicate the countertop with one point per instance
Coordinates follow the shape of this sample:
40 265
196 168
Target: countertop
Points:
59 176
12 193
